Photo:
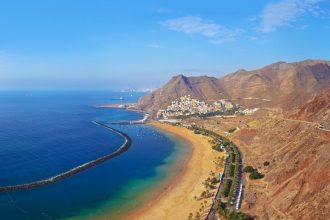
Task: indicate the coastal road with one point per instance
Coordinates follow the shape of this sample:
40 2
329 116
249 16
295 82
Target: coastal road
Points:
212 215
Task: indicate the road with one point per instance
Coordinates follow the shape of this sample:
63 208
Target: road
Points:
212 215
317 125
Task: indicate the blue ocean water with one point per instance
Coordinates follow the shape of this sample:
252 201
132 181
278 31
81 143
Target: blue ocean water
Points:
46 133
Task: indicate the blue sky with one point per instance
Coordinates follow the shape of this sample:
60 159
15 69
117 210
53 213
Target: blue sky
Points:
80 44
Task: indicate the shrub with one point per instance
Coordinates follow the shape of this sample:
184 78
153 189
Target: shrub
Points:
226 187
217 147
256 175
238 216
233 157
197 132
266 163
236 171
248 169
214 180
231 170
221 209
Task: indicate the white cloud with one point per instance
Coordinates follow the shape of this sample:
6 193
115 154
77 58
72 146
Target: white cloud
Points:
193 25
285 12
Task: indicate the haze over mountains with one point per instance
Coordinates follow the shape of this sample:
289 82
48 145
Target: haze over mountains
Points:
284 85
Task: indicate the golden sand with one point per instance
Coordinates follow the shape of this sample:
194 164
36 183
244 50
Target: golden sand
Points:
177 200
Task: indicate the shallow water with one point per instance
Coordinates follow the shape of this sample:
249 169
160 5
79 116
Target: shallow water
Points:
45 133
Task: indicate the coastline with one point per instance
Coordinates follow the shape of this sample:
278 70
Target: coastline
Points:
176 199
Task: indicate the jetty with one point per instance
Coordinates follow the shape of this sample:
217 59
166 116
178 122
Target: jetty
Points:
142 121
78 169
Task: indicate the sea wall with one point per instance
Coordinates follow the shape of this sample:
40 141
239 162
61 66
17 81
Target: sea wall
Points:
78 169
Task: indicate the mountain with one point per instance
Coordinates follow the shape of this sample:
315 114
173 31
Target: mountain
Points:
284 85
203 87
316 110
296 181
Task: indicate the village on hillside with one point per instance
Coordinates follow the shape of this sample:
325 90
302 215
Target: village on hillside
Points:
186 106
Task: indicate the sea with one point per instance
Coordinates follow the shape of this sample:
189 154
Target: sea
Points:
44 133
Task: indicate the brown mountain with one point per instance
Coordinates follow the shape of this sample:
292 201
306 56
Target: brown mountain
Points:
203 87
296 182
286 85
316 110
281 84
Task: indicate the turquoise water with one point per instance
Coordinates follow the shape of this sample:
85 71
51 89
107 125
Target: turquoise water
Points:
45 133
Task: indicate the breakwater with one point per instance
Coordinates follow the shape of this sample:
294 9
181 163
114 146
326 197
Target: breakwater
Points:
142 121
78 169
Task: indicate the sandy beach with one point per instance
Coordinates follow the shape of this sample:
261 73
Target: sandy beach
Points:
177 200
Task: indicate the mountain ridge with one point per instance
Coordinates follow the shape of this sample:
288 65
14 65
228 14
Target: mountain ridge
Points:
285 85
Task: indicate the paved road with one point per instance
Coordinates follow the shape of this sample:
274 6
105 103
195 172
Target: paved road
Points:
212 215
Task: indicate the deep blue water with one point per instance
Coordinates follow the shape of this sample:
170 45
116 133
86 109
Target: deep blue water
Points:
45 133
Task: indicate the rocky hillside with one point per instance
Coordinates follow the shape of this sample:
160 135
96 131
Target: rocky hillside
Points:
204 88
316 110
285 85
296 182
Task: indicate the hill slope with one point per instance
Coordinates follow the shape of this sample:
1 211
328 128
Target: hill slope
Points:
284 85
204 88
316 110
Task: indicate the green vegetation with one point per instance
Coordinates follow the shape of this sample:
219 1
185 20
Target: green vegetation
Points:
217 147
206 194
238 216
248 169
221 209
266 163
231 158
231 170
210 183
226 188
254 174
231 215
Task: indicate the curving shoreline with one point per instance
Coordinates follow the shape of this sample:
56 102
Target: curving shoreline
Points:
78 169
176 198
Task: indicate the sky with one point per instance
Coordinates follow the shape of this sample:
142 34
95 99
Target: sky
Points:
118 44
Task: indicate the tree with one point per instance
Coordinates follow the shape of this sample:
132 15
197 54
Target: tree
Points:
248 169
256 175
221 209
226 187
238 216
